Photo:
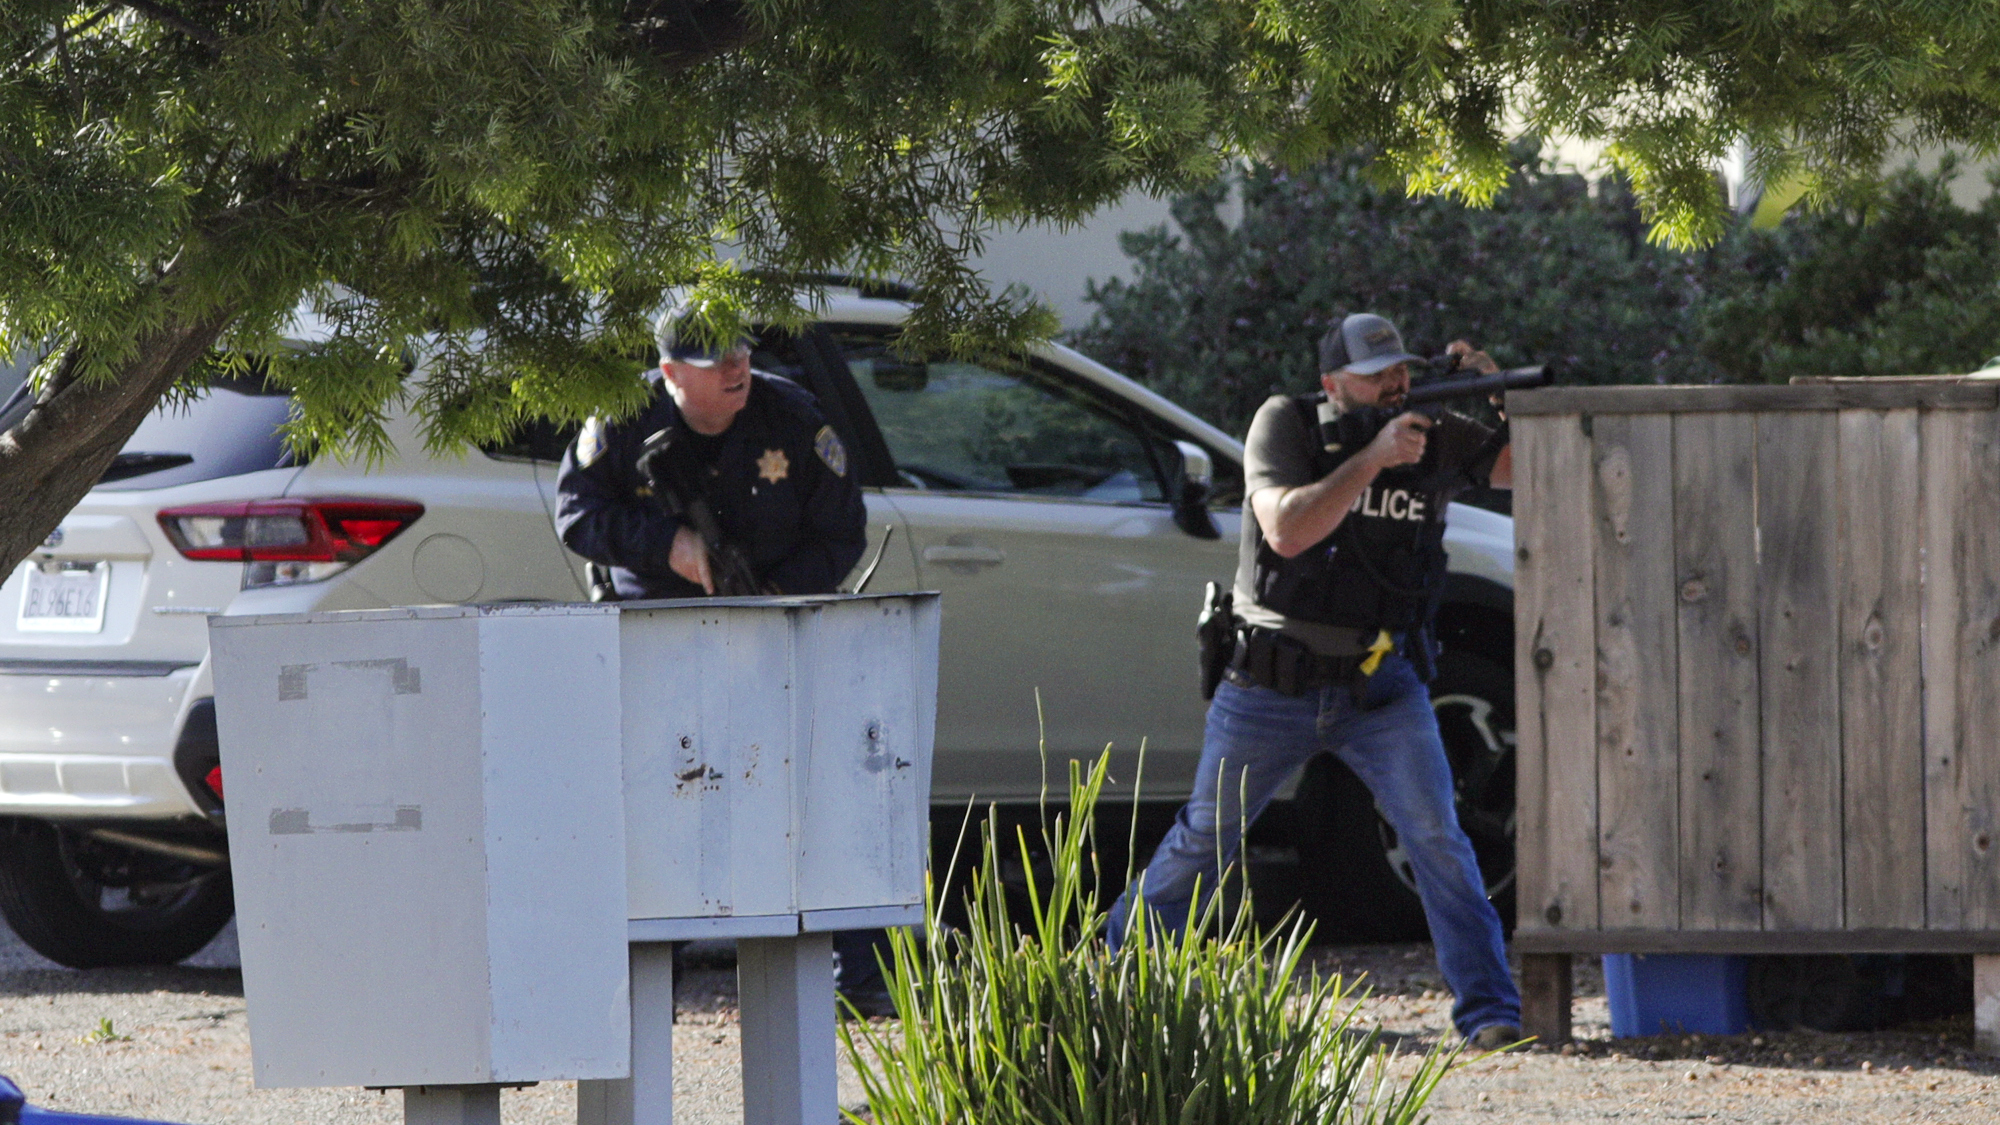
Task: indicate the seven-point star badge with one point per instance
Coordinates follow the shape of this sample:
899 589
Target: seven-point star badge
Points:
774 466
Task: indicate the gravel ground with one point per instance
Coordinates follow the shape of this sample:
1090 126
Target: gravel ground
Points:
177 1049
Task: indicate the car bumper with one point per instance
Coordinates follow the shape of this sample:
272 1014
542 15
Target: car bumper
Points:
93 746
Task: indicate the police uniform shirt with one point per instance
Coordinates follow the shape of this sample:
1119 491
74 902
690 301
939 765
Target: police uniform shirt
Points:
1279 452
778 480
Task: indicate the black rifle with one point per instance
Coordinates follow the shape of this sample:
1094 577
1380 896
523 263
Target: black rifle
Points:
1449 387
1357 427
685 500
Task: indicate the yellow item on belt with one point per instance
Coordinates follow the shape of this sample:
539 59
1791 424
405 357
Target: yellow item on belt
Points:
1383 646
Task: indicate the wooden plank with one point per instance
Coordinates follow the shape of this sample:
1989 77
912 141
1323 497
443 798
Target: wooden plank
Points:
1757 941
1986 1004
1881 692
1798 599
1555 673
1547 987
1961 459
1638 742
1932 395
1716 578
1838 380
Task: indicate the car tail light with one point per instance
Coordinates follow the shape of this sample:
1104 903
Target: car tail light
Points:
214 780
287 540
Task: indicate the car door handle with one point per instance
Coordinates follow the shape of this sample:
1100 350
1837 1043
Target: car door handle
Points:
987 556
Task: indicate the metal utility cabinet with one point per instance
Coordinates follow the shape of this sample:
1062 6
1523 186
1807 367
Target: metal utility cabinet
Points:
464 835
777 762
425 804
777 788
1758 674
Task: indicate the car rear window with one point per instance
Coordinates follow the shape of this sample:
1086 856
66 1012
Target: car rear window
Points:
230 429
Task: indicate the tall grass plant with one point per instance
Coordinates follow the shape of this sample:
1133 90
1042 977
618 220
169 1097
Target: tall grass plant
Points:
1037 1022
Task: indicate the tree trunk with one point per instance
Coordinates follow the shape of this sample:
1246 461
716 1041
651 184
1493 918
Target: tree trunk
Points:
68 438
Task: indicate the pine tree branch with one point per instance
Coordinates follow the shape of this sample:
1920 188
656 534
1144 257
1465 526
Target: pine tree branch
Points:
161 13
63 36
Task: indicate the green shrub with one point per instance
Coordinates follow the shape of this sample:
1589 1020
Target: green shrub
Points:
1004 1024
1218 316
1905 283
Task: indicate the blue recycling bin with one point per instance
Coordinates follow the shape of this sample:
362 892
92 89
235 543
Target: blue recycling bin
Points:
1675 993
14 1107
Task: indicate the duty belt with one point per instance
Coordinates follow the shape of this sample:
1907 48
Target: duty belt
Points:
1286 665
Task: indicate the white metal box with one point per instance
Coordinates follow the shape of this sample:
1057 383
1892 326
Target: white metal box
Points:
427 843
777 762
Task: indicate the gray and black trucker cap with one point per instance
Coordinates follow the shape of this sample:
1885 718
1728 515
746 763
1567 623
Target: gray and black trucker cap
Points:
1364 344
667 334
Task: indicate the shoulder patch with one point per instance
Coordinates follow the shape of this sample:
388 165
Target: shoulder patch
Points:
826 443
590 441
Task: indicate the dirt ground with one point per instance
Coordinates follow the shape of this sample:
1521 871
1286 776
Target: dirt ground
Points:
173 1045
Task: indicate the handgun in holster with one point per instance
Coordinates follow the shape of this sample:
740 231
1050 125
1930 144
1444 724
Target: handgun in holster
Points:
1215 628
728 565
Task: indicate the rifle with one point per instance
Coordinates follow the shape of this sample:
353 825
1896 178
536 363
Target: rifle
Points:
1445 388
1426 397
728 564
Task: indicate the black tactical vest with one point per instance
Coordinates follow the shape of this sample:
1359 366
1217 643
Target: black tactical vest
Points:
1384 566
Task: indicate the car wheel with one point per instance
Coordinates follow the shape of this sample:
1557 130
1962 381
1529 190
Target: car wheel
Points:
89 905
1354 875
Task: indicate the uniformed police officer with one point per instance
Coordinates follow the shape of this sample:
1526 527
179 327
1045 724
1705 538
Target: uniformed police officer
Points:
1339 572
774 473
756 452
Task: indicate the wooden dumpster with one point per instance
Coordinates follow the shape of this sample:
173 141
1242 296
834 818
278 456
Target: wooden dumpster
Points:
1758 665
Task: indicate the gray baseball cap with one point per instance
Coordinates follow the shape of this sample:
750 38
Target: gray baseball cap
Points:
1364 344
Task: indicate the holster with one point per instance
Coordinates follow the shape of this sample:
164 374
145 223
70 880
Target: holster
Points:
1215 629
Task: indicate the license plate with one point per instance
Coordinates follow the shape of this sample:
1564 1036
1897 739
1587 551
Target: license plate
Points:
63 597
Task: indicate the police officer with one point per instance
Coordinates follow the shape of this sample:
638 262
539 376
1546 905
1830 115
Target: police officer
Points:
1338 576
755 450
773 472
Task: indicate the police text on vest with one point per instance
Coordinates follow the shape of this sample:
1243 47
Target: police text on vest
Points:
1391 503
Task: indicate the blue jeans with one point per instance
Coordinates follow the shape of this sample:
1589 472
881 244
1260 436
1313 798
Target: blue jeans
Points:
1257 737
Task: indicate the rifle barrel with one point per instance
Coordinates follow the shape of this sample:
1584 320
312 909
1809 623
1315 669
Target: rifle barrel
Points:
1444 390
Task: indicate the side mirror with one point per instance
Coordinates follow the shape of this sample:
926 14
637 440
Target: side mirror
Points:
1192 482
1196 465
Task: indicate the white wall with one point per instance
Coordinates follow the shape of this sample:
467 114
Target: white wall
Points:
1055 263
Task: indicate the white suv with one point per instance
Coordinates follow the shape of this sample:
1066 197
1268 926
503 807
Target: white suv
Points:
1046 495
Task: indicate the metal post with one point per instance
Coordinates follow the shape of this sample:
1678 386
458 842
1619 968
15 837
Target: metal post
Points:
785 989
451 1105
646 1098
